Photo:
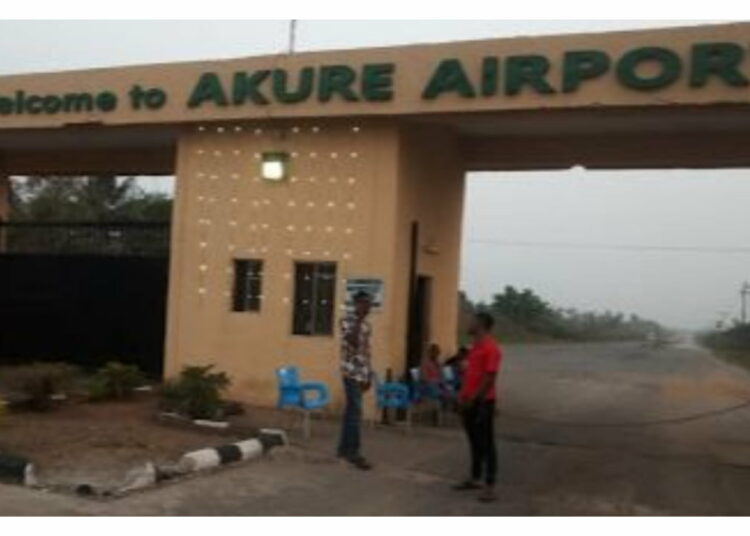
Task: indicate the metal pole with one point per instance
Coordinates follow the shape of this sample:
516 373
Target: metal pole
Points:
744 292
292 35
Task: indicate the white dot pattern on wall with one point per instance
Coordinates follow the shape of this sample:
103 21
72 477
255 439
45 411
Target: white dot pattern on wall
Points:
327 161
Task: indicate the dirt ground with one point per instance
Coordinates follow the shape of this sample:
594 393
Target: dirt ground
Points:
97 443
589 429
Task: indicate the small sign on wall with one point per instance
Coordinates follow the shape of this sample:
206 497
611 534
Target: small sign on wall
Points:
373 287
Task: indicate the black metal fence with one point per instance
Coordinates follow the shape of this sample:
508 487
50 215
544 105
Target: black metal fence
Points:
96 238
84 293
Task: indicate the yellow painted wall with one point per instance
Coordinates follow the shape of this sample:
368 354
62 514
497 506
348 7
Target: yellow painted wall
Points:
353 191
431 188
338 205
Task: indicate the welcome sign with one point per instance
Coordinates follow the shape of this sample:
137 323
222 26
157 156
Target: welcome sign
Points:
642 69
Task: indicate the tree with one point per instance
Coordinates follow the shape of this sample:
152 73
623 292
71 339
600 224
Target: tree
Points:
89 198
523 315
83 203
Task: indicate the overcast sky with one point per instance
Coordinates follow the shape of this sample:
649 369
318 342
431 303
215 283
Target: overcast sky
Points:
670 245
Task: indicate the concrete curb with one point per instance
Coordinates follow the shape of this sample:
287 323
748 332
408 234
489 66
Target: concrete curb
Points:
17 469
203 459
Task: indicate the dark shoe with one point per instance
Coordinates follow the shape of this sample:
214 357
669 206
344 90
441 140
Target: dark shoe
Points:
360 463
488 495
468 485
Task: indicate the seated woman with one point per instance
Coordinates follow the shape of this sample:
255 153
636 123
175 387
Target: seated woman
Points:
430 374
457 364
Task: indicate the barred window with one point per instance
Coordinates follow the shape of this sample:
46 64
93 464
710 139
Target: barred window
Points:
314 296
248 285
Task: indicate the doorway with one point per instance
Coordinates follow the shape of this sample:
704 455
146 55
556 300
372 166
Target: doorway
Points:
419 320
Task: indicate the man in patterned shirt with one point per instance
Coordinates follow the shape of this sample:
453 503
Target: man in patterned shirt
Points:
357 375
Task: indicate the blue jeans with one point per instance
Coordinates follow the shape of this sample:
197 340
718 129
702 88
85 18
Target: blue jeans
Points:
350 424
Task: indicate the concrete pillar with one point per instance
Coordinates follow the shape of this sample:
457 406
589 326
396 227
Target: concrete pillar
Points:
352 193
430 193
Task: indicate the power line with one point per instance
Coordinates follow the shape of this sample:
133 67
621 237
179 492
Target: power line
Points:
744 294
292 35
613 247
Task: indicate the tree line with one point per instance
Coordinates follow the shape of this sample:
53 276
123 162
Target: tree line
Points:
87 214
522 315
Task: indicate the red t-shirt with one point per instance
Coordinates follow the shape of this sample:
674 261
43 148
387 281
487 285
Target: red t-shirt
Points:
484 357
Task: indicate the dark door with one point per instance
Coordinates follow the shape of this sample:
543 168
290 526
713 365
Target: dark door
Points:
419 320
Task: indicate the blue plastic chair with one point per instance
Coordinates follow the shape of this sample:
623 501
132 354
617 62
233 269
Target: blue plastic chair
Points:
393 395
426 392
294 393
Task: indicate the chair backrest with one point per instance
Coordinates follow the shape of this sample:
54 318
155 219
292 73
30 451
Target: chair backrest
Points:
414 372
448 374
288 377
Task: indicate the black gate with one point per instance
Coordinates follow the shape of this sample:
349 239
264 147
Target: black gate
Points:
84 293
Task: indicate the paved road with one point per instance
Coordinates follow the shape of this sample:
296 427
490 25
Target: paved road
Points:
669 400
559 451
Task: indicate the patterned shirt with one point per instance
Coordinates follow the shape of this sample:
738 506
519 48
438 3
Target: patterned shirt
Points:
355 348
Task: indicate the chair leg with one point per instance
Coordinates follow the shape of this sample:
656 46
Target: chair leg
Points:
306 425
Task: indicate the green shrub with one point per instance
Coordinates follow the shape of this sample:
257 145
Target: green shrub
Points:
196 393
34 384
116 381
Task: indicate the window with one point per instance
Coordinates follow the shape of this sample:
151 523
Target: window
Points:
314 295
248 274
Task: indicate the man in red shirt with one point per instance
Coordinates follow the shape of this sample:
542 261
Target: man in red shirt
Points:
477 402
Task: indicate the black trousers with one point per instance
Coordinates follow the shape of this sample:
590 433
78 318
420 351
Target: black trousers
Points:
479 423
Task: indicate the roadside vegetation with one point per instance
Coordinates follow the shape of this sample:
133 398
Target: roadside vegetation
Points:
732 343
523 316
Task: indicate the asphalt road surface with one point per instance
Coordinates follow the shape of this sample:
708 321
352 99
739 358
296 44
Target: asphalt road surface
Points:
585 429
676 399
